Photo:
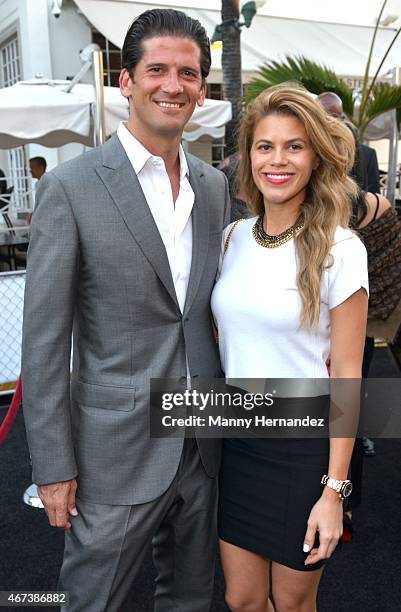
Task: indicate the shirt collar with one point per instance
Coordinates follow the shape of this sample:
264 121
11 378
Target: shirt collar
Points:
139 155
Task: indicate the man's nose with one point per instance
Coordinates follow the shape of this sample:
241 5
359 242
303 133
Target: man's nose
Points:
172 83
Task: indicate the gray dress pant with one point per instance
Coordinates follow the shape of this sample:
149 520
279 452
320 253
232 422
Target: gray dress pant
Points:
106 545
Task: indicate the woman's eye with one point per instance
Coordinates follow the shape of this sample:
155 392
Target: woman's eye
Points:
296 147
264 147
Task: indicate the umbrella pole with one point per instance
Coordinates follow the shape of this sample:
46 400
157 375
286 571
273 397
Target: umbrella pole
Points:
99 131
392 163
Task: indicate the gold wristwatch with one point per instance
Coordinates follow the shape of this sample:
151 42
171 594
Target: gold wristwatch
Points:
343 487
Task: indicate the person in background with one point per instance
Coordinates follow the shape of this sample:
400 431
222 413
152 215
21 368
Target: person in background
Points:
229 167
372 169
37 166
377 224
366 167
333 105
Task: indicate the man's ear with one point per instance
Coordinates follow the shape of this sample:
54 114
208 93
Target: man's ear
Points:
202 95
125 82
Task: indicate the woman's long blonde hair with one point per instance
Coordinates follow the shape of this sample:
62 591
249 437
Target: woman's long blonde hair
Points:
329 192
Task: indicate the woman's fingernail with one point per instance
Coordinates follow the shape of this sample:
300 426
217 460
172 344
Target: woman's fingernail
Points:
306 548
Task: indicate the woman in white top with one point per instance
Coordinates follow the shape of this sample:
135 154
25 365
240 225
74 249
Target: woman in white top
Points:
292 293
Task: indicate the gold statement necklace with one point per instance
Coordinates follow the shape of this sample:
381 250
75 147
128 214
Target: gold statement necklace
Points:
272 242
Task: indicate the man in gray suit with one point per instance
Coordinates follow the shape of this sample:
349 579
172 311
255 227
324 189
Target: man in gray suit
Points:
123 256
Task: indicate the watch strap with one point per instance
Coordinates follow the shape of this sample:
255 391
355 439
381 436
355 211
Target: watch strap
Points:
336 485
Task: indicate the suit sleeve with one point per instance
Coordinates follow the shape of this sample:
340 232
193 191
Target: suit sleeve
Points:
227 204
373 173
50 296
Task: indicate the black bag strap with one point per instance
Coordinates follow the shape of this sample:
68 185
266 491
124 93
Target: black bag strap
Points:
377 206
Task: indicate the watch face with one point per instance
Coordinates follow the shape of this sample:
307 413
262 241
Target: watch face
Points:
347 490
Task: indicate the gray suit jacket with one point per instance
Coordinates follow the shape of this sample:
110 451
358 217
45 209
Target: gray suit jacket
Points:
97 265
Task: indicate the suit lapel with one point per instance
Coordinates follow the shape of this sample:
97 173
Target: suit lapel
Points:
200 230
122 183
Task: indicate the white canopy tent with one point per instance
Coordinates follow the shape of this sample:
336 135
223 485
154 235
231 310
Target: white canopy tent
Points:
341 46
41 111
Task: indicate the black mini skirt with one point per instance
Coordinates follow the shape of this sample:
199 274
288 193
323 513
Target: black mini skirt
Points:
267 490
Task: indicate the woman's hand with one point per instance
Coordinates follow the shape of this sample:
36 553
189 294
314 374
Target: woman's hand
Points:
326 517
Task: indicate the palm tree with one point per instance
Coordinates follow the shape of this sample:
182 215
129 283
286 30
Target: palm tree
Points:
232 71
376 97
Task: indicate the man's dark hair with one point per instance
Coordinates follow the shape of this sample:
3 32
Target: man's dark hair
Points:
164 22
40 161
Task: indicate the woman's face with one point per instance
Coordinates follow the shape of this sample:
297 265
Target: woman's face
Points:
282 160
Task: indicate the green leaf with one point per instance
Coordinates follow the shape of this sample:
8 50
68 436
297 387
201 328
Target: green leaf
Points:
384 98
315 77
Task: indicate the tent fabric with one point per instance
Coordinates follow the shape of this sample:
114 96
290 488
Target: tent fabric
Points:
41 112
45 113
342 47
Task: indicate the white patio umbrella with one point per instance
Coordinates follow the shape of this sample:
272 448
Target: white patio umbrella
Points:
42 112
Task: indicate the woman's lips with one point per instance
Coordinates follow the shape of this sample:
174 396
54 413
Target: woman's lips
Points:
277 178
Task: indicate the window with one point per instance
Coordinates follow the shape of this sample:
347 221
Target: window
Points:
18 164
111 59
10 62
10 70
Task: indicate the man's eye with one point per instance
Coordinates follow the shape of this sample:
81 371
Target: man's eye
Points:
189 73
155 69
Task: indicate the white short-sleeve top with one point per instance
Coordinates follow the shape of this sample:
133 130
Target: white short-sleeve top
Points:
257 306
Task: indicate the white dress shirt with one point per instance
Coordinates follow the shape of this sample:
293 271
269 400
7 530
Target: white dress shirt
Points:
174 222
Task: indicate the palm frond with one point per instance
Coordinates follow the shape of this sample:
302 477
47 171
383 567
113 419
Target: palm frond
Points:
373 82
317 78
365 94
384 98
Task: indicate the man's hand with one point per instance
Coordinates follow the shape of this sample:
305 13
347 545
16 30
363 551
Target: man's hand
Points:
58 499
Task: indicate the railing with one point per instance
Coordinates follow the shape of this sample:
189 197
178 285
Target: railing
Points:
11 204
12 285
19 199
397 186
8 222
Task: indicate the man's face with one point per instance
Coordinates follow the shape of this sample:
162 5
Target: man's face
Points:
165 88
36 169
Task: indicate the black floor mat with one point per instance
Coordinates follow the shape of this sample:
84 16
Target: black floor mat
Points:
364 576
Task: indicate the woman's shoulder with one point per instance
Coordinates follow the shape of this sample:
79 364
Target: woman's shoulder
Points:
343 233
377 205
377 202
346 240
240 226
